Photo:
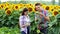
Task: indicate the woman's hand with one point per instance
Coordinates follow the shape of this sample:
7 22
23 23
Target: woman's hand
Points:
27 24
23 26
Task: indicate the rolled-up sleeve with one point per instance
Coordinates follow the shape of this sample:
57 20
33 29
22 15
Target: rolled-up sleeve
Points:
46 13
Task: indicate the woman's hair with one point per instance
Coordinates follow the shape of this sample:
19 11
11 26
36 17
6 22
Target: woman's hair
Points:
24 10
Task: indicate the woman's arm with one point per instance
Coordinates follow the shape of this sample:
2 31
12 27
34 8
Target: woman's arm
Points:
21 22
28 21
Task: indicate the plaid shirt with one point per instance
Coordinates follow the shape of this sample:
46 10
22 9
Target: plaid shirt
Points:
23 20
42 19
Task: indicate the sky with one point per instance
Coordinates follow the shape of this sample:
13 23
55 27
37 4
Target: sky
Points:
28 0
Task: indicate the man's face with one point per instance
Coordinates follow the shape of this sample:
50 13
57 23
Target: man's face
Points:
37 7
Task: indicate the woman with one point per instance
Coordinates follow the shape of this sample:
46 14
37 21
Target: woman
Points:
24 21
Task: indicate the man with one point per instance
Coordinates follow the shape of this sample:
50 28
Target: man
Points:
43 17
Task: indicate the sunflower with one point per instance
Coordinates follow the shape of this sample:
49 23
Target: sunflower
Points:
59 11
27 5
51 8
56 7
24 5
55 12
7 3
2 6
16 7
8 12
59 7
44 6
47 8
6 8
31 5
30 9
21 5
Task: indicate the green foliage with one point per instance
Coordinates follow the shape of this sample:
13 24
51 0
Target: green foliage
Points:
54 26
9 20
6 30
9 23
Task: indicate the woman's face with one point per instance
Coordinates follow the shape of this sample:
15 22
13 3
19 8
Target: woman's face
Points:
26 13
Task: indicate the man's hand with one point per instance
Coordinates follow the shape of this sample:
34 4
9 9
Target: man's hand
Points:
42 14
46 17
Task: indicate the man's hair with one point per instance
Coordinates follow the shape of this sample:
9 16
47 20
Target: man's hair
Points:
37 4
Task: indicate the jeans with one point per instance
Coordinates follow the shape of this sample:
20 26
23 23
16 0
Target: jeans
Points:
44 31
23 32
28 30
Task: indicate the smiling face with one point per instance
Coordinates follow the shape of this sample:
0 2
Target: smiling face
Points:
37 7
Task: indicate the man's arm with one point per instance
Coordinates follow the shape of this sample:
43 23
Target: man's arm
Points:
45 16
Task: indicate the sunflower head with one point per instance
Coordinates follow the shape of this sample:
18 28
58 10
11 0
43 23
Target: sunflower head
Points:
44 6
2 6
30 9
55 13
47 8
55 7
16 7
52 9
8 12
59 7
59 11
6 8
24 5
27 5
7 3
31 5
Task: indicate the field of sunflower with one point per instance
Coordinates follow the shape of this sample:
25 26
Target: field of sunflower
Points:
9 18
